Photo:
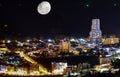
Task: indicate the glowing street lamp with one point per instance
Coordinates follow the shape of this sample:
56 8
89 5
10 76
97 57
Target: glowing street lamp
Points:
49 40
28 41
8 41
72 39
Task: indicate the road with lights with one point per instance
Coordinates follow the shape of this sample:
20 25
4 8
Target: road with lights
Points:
41 68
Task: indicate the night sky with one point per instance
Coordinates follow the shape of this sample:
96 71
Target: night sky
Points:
67 17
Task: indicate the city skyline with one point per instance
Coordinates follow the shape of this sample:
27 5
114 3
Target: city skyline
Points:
71 18
56 38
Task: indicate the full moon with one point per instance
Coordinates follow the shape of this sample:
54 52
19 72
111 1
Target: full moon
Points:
44 8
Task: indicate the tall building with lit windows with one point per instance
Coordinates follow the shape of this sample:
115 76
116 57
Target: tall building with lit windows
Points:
95 33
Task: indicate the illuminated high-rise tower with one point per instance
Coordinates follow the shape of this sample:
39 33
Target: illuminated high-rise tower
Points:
95 33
